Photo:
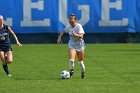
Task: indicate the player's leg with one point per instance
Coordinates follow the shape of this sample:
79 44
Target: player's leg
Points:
4 64
9 57
80 56
72 54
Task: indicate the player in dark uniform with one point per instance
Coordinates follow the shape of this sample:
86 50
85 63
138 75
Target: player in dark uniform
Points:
5 45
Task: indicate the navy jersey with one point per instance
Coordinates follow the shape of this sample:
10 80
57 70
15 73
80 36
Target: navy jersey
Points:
4 36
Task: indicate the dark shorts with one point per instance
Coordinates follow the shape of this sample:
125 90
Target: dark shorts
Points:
5 48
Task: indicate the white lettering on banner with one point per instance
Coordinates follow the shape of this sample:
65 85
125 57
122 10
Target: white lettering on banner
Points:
9 22
105 17
63 13
85 14
27 16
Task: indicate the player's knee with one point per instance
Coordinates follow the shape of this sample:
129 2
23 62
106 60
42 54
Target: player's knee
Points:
10 61
80 59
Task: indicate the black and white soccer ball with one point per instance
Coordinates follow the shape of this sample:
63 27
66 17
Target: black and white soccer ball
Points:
65 74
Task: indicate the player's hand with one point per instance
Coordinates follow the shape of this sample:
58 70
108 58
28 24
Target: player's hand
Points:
19 44
73 32
59 41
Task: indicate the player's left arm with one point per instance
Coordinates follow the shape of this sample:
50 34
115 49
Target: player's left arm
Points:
14 35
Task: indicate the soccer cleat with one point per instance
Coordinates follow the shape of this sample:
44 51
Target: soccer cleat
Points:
9 75
71 72
83 75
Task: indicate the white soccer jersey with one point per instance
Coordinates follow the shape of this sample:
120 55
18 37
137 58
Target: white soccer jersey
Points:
74 42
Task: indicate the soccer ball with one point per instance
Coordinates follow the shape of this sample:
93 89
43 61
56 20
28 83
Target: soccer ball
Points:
65 74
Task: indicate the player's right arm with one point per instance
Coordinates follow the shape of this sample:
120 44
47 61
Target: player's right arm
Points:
60 36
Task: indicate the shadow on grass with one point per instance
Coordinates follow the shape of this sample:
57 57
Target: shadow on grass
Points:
24 78
50 78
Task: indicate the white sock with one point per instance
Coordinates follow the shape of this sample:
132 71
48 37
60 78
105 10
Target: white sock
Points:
82 66
71 64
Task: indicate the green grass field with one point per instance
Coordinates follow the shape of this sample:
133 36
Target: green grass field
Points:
110 68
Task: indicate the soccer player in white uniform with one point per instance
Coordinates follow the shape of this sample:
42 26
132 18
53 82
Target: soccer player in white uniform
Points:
76 44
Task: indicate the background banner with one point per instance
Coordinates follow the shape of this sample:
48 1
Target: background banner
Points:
51 16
